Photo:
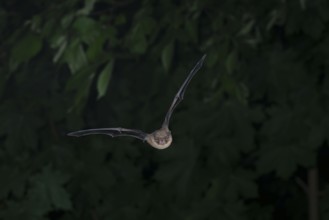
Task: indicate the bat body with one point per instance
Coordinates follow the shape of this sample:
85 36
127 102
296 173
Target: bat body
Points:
160 138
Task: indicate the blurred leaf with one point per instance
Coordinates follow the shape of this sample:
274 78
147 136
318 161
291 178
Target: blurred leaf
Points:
75 56
241 183
120 20
247 28
324 203
284 160
138 38
104 78
48 193
25 49
242 93
167 56
273 19
231 62
60 42
13 184
139 44
212 58
314 27
317 135
19 127
67 20
261 212
302 4
87 29
89 6
80 83
95 48
192 29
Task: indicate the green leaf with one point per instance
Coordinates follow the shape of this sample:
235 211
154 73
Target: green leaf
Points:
48 193
26 48
89 6
167 55
324 202
79 83
13 183
104 79
38 202
273 19
260 211
241 183
212 58
302 4
138 37
314 27
139 44
60 198
285 159
192 30
95 49
75 56
231 62
120 20
20 128
87 28
61 42
247 28
67 20
60 52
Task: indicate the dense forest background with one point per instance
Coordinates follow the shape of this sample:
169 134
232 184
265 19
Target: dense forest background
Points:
250 137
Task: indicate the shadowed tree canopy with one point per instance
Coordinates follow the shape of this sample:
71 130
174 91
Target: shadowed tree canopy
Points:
248 137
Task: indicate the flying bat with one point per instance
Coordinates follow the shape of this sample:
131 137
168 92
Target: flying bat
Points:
160 138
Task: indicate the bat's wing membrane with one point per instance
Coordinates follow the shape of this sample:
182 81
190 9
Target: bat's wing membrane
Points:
113 132
180 94
116 132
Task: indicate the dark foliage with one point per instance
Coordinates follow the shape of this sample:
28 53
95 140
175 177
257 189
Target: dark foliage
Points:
253 123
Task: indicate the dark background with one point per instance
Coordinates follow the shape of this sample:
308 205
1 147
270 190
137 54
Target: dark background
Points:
250 137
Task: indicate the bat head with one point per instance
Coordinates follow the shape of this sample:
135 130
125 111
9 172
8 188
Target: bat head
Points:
160 139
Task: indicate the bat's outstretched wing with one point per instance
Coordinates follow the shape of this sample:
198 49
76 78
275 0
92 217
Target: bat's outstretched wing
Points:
180 94
113 132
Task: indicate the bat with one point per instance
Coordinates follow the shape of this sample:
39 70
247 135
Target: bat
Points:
159 139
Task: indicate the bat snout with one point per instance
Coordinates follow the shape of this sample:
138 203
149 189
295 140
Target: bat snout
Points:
162 141
159 142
